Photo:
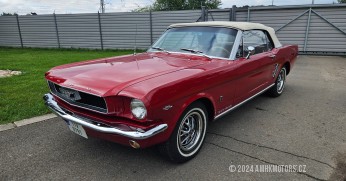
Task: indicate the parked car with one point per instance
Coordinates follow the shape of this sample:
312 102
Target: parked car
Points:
194 73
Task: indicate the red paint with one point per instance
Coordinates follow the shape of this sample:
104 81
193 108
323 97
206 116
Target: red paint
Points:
160 79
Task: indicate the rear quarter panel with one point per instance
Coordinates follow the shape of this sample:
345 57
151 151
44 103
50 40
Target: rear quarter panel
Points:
286 54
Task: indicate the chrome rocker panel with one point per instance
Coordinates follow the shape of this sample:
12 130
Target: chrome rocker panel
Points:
52 104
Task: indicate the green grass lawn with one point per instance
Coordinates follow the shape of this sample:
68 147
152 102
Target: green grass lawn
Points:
21 96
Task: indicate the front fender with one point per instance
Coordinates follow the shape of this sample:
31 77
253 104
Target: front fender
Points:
172 115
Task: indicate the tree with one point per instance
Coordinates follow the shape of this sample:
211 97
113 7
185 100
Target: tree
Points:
8 14
341 1
170 5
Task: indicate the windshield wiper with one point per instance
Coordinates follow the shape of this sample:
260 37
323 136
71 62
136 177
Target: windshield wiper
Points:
196 52
160 49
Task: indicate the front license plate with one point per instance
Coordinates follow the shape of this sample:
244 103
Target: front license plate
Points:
77 128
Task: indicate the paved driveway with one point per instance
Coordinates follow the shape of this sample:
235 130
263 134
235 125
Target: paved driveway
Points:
305 126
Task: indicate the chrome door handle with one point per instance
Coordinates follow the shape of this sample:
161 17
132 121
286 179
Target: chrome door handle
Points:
272 56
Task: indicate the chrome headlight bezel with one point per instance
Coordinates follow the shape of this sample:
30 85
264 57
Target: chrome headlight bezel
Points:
138 109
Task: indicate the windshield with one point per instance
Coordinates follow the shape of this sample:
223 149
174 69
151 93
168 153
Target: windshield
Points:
210 41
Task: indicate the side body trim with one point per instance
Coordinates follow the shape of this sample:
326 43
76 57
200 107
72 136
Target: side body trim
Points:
236 106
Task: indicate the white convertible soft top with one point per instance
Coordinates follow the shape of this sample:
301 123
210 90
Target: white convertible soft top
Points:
236 25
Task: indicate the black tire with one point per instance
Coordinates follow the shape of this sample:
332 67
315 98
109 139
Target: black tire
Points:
279 85
193 134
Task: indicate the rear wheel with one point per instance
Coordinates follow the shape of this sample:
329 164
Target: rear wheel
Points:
279 86
188 135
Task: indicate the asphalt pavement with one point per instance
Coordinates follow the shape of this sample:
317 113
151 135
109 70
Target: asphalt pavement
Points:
304 127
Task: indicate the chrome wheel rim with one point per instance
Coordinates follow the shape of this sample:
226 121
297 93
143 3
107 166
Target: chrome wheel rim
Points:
190 131
281 81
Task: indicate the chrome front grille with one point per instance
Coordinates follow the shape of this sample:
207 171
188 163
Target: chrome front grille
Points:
78 98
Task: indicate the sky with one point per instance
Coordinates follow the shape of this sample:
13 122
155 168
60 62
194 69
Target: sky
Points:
23 7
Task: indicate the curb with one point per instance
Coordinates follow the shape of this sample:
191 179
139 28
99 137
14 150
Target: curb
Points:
7 126
26 122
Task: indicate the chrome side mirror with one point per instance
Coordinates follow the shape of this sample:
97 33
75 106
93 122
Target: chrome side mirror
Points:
250 50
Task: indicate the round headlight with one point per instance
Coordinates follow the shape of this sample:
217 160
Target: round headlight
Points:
138 109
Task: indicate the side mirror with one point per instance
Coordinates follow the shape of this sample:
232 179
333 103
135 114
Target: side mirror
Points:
250 50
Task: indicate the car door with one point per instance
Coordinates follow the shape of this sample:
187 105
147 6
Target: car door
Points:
268 64
252 69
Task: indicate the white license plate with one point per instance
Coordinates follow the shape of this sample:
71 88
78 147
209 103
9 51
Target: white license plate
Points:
77 128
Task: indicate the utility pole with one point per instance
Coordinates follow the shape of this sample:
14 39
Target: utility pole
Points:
272 2
313 2
102 6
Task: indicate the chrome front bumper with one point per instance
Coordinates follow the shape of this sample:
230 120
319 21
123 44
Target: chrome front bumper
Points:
139 135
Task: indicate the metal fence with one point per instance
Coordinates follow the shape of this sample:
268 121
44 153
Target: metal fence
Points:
92 30
315 28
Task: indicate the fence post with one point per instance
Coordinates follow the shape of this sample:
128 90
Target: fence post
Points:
203 13
307 31
56 30
230 14
100 29
234 12
248 14
206 14
151 27
20 33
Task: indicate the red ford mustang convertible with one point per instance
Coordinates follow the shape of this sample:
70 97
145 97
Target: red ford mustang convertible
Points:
194 73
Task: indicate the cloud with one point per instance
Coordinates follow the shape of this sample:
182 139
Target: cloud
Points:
126 5
48 7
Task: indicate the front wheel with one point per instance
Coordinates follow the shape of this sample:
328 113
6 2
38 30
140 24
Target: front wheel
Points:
279 85
188 135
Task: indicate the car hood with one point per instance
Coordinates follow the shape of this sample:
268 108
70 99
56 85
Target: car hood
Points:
108 76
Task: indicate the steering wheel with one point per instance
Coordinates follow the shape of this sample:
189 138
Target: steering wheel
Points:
223 50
